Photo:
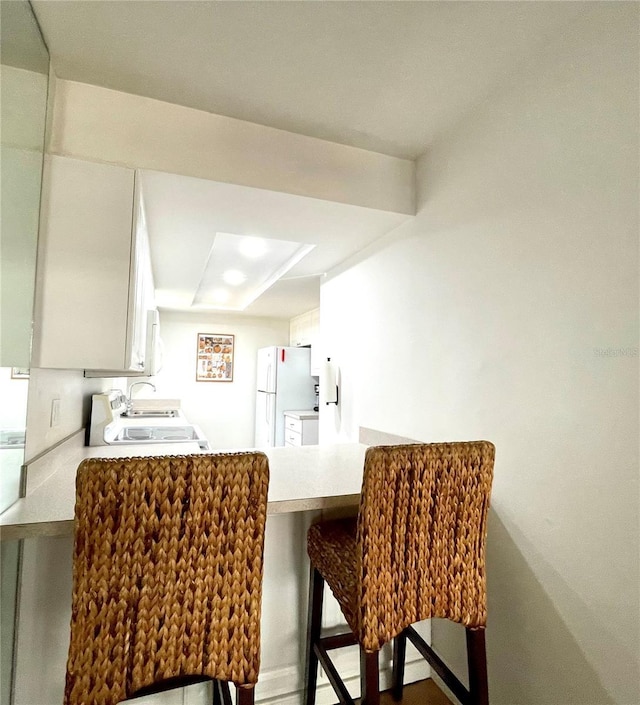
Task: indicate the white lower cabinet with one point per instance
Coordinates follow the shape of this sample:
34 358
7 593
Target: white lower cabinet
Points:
301 428
94 282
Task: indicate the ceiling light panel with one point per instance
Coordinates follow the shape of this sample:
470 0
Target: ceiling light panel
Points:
244 267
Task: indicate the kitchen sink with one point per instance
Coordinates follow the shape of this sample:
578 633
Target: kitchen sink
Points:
156 434
152 414
144 421
187 433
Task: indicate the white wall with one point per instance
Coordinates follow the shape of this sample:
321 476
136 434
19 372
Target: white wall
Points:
74 393
509 311
225 411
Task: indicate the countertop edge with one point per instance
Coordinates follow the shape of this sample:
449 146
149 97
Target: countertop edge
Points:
58 527
48 509
303 414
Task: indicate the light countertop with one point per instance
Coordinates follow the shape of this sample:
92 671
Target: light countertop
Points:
303 414
301 479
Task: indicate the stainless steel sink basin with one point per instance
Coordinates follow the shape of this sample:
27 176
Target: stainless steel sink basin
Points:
156 434
151 414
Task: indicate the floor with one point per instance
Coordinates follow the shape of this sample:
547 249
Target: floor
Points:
423 693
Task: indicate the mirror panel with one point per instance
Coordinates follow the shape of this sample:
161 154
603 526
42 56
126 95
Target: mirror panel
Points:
24 73
24 78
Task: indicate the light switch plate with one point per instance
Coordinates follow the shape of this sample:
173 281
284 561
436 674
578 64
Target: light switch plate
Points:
55 413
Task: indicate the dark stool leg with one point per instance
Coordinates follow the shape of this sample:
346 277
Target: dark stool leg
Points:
225 693
314 626
221 693
244 696
369 678
399 653
477 660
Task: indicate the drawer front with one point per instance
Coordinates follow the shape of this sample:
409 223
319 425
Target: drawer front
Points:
292 424
291 438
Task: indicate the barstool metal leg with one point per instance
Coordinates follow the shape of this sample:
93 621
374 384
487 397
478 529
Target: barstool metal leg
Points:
314 626
399 654
477 661
369 678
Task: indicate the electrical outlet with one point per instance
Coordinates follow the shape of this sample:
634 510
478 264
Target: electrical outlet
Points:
55 413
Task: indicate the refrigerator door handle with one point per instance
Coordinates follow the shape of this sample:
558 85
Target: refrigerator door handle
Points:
267 406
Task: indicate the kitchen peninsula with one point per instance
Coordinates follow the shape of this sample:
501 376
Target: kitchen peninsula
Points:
301 479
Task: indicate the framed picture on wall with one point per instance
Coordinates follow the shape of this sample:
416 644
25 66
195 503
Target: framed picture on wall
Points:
214 361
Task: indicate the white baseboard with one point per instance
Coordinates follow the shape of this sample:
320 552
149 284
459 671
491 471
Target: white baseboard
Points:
284 687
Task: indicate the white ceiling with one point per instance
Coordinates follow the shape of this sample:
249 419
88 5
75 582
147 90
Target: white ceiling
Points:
385 76
182 236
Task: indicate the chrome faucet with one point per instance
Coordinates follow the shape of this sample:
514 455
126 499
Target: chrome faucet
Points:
130 399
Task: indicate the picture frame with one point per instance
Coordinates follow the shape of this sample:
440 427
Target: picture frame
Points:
215 357
19 373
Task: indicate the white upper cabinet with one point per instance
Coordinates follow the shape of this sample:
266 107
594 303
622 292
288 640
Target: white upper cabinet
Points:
305 330
94 282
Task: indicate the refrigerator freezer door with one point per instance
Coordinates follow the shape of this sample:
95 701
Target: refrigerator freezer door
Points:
267 364
265 420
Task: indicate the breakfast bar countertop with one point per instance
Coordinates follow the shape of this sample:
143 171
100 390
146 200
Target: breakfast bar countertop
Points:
301 479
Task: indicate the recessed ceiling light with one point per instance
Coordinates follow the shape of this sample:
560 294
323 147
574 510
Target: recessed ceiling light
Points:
253 247
220 295
233 277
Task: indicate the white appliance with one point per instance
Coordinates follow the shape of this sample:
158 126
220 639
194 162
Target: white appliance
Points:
114 421
284 382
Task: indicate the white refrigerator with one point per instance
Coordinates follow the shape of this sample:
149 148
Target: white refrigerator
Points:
284 383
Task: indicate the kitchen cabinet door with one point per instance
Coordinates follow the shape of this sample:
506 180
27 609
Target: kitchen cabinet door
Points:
314 335
296 331
304 330
87 273
141 292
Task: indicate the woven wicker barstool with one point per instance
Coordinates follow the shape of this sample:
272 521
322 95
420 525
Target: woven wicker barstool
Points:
167 576
416 550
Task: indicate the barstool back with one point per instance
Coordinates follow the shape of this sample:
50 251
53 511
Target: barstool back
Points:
421 537
167 573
